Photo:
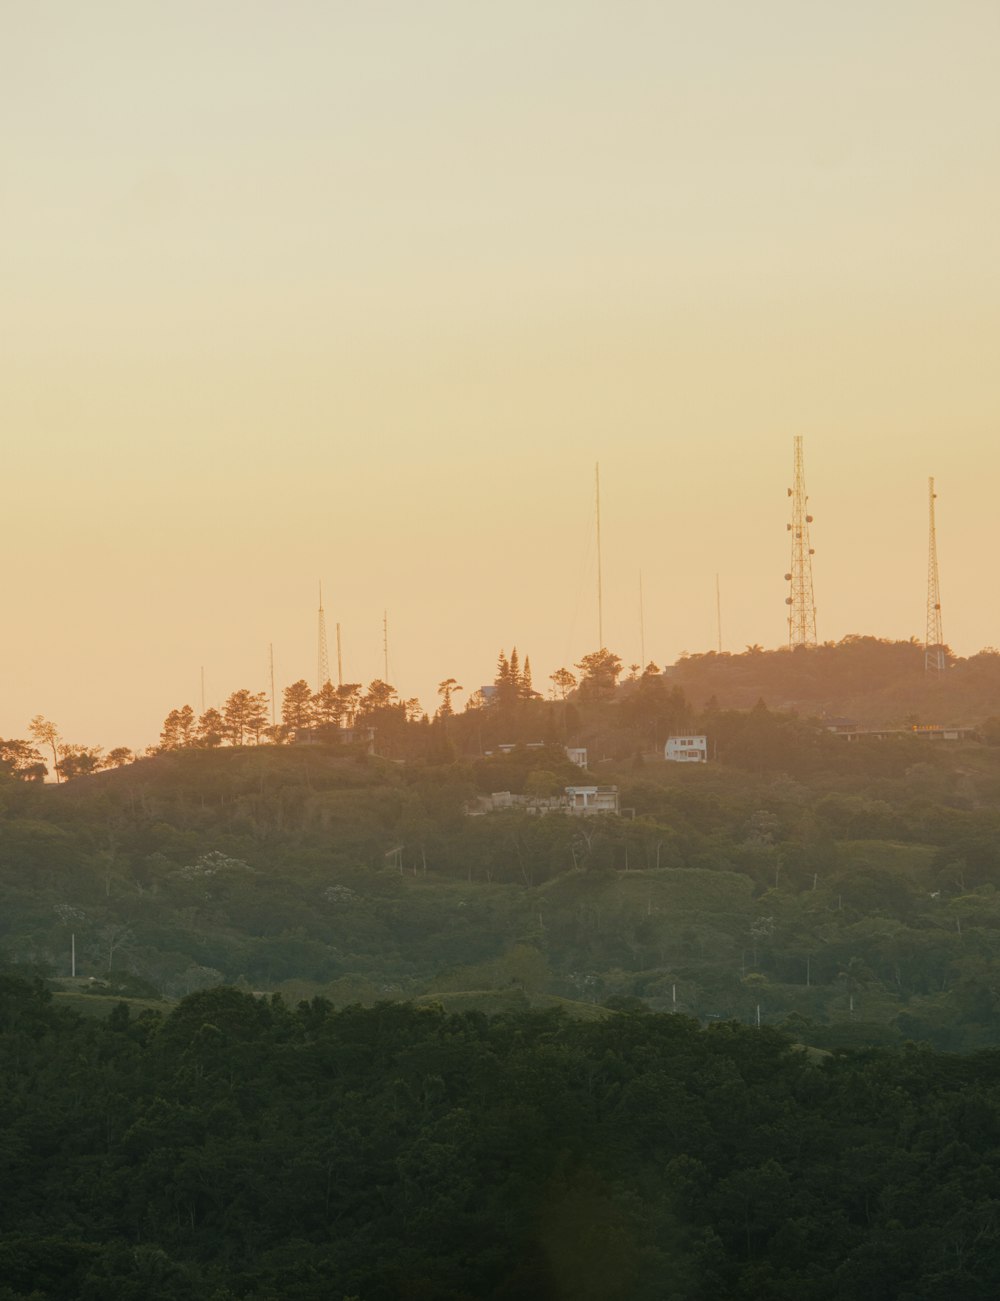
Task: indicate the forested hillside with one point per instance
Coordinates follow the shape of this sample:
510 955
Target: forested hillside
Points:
848 890
874 682
240 1149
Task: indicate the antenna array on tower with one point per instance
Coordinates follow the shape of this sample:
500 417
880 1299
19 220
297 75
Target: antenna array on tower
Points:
323 655
801 601
934 654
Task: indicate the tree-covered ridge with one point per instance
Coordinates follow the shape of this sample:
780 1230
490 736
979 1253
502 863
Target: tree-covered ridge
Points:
869 681
855 899
241 1149
872 681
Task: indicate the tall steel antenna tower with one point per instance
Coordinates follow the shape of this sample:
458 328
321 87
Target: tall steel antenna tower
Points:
600 590
323 655
801 601
934 655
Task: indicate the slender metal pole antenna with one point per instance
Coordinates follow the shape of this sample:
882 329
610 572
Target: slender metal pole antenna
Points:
642 625
718 614
600 590
203 688
274 717
340 661
385 643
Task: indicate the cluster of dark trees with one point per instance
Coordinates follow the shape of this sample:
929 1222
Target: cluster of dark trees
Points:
237 1148
614 712
25 759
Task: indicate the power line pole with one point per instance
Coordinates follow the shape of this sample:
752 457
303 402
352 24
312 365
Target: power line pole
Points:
801 601
934 655
323 656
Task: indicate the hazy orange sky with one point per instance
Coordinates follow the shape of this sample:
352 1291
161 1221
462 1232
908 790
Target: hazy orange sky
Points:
360 292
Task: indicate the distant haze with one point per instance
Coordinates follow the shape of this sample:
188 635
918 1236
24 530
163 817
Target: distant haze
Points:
360 293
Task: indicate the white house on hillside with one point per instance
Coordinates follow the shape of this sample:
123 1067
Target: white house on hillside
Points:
686 749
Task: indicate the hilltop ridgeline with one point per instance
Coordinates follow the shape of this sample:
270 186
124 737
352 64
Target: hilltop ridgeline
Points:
613 711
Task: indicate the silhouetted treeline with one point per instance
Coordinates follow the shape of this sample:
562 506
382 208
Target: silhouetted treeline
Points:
612 712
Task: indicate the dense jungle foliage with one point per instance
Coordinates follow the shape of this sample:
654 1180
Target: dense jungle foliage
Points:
240 1149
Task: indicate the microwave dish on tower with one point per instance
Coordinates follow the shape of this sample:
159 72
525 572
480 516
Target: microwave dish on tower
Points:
935 659
800 601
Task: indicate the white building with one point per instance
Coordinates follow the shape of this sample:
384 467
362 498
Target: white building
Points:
686 749
593 799
576 800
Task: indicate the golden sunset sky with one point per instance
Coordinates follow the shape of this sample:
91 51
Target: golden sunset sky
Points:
360 292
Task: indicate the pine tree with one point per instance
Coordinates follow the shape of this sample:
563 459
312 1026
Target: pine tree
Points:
297 711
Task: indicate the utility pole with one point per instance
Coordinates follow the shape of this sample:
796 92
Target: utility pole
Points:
801 602
934 655
323 656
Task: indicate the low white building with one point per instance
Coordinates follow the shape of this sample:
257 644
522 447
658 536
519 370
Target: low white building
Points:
593 799
579 801
686 749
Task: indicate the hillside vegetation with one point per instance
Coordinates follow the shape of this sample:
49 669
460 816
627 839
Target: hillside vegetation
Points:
241 1149
846 890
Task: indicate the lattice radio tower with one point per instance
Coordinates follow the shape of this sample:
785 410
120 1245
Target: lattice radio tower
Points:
323 654
934 654
800 601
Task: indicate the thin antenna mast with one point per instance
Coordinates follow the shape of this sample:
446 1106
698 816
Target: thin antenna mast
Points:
934 655
203 688
801 602
642 625
274 717
385 643
340 661
600 592
718 614
323 656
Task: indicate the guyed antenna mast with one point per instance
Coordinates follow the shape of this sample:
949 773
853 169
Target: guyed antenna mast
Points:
934 655
323 655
